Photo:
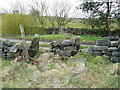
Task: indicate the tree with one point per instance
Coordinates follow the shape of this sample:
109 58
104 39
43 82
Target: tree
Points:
34 13
51 18
93 22
62 14
3 10
102 10
40 11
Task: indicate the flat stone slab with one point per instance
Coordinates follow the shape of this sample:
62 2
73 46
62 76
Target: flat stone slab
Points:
103 42
10 55
116 53
63 52
8 43
115 59
108 53
112 49
65 43
70 48
114 43
16 47
97 53
55 43
6 49
114 38
101 48
119 47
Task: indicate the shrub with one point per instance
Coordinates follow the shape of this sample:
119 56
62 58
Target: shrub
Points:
11 22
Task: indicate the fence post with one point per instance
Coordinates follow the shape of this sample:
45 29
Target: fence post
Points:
25 50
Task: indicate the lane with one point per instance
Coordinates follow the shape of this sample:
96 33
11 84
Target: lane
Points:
16 40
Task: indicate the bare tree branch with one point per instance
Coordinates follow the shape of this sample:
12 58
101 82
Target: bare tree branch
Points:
41 8
62 12
18 7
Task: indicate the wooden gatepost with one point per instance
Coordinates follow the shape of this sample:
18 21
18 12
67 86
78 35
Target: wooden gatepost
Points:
25 48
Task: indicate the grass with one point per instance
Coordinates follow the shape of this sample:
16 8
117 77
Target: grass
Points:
60 75
16 78
5 62
53 37
44 45
77 24
98 74
0 24
89 39
82 47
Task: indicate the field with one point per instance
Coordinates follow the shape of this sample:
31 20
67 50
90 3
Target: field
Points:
53 71
97 73
0 25
33 26
80 71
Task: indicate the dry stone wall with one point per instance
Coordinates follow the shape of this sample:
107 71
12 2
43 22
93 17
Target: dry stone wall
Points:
66 47
5 49
109 47
10 50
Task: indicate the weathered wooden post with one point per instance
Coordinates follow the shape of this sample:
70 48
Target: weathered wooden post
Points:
25 50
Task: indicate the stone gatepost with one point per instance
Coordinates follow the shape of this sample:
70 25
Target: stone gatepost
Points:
34 47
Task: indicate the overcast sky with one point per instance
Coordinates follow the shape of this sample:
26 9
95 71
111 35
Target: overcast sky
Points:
79 14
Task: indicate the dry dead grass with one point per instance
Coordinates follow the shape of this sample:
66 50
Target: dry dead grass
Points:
57 73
